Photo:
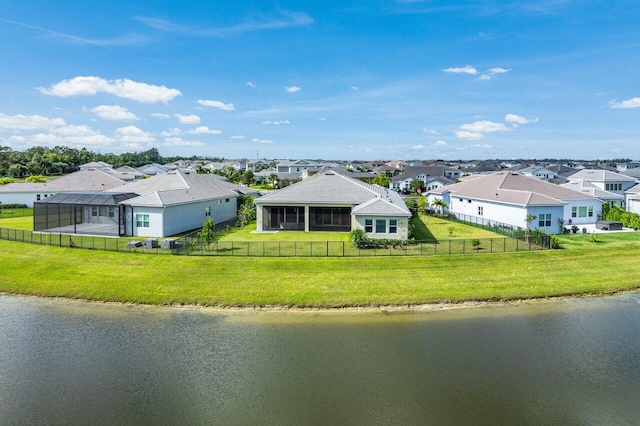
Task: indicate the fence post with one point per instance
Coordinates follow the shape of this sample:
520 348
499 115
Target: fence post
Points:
327 248
491 251
464 246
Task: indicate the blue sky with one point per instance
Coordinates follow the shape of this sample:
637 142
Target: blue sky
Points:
393 79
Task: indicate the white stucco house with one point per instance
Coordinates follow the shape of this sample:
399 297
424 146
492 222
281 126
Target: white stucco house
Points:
509 197
605 180
330 201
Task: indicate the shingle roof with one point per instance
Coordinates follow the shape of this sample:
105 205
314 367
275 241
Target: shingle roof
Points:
82 180
600 176
512 188
413 171
588 188
180 187
333 189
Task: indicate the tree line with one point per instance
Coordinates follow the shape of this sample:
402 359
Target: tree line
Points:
60 160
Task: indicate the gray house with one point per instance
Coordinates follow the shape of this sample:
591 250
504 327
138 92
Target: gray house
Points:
330 201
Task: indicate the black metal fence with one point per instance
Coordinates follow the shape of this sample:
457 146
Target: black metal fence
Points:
193 246
6 213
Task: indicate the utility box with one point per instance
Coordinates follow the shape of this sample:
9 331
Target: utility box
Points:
151 243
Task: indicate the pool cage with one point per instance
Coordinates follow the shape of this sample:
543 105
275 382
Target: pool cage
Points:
96 213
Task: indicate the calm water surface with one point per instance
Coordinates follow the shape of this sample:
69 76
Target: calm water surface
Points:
561 362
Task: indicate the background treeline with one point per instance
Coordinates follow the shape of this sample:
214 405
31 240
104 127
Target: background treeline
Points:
61 159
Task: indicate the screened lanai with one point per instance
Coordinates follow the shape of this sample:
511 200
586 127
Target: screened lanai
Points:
94 213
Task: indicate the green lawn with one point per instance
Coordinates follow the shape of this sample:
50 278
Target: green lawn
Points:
24 223
606 266
248 234
435 228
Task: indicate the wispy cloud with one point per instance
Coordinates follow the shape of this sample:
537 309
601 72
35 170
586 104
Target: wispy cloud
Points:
261 140
430 131
484 126
284 19
440 143
114 113
188 119
160 116
201 130
417 147
292 89
492 72
217 104
467 69
276 123
122 88
131 39
29 122
518 119
629 103
250 84
176 141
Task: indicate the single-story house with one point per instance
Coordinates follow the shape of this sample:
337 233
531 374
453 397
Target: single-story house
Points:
330 201
508 198
178 201
89 180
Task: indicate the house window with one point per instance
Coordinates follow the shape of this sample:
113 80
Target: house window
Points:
103 211
142 220
368 226
574 212
460 199
468 201
381 226
226 201
207 211
112 212
38 197
94 211
582 212
544 220
393 226
590 211
480 210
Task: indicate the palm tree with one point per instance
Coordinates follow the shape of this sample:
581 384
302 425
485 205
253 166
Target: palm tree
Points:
529 218
440 205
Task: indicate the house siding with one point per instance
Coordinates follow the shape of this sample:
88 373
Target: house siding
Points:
185 217
358 222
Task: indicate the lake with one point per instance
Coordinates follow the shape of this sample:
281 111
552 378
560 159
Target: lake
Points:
553 362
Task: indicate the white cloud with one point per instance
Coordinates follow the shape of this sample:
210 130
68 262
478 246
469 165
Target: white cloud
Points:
484 77
29 122
113 112
276 123
498 70
292 89
72 130
237 137
250 84
616 150
133 135
440 143
462 134
430 131
468 69
322 119
122 88
172 132
484 126
261 140
629 103
482 146
180 142
517 119
416 147
370 150
355 88
200 130
217 104
188 119
160 116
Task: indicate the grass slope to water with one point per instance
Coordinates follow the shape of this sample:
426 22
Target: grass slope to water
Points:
583 267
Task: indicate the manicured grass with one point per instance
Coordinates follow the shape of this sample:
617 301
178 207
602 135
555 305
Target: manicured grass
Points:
435 228
24 223
9 213
606 266
247 234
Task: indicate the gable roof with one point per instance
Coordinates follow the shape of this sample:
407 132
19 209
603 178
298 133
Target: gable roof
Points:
586 187
331 188
513 188
412 171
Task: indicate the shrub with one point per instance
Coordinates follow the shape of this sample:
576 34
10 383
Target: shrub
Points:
554 242
357 236
6 180
412 205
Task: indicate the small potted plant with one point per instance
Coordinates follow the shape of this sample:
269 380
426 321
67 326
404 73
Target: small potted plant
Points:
574 229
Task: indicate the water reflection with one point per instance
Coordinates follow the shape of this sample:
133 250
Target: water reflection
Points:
554 362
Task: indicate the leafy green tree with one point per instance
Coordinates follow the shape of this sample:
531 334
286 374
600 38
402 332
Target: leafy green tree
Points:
207 233
415 185
382 179
440 205
247 211
528 219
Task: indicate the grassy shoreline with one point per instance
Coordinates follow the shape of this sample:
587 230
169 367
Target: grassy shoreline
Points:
582 268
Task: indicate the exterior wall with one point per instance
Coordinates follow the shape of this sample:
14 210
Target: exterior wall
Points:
261 213
556 212
597 211
633 204
185 217
505 213
155 222
27 198
358 222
